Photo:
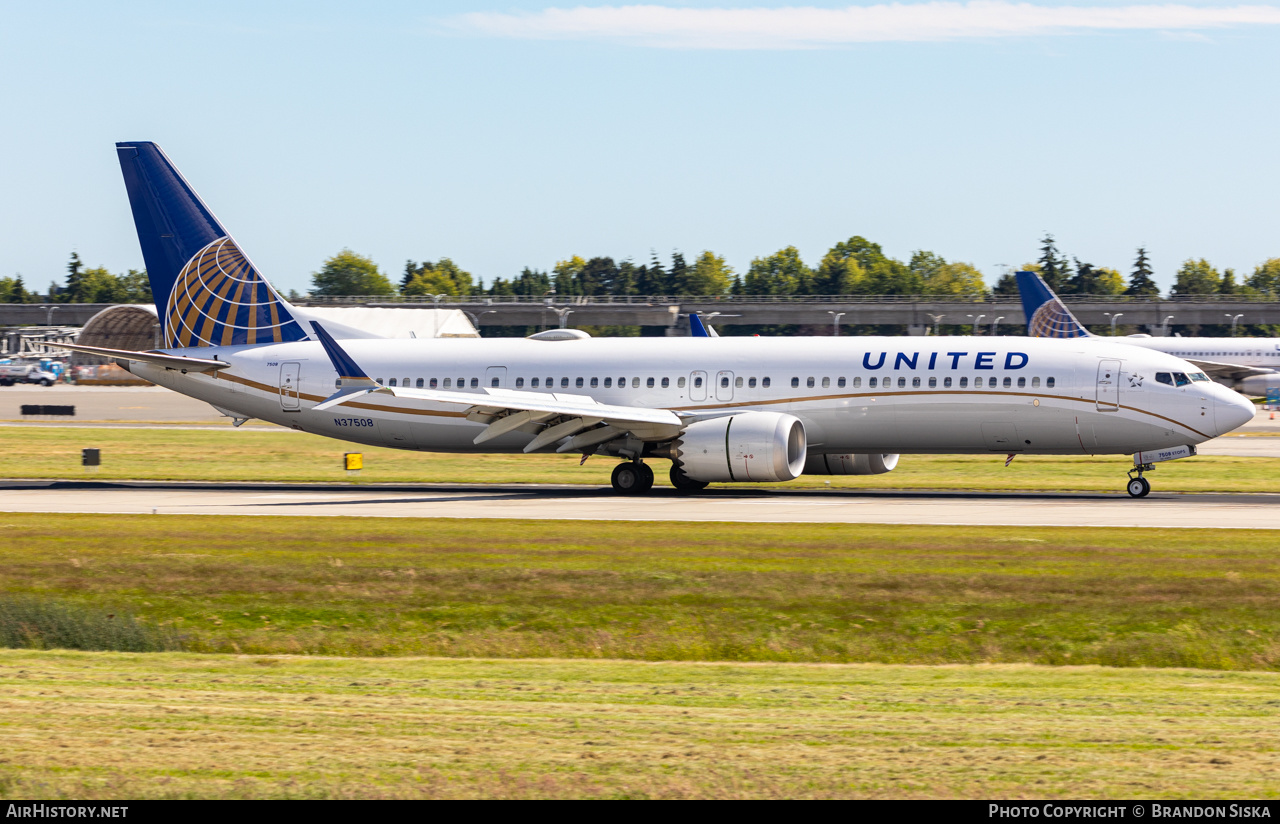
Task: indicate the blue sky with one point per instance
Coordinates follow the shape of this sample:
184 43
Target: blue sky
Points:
509 135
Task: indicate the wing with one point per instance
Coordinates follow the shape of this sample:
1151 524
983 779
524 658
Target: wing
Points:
579 418
1233 372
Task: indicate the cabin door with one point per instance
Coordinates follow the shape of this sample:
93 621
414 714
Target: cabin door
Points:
495 377
724 386
1108 386
289 376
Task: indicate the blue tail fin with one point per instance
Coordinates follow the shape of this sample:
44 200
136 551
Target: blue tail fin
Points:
206 290
1047 317
696 327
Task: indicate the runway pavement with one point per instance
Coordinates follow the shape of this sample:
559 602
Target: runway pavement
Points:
578 503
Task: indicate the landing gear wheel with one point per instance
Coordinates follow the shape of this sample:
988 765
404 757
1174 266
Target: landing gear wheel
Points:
1139 487
683 483
632 478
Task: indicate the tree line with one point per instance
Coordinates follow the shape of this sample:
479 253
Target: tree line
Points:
852 267
83 285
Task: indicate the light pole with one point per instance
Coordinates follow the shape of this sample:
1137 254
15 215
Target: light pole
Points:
977 323
835 322
1234 320
48 315
995 324
563 314
937 319
475 319
435 301
1114 317
1164 327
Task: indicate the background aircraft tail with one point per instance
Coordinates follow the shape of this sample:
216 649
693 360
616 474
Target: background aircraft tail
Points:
207 291
1047 317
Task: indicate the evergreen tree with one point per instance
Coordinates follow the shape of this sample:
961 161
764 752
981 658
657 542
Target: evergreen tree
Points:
1006 286
677 280
1228 286
652 279
75 290
597 276
410 269
1053 267
628 276
1141 284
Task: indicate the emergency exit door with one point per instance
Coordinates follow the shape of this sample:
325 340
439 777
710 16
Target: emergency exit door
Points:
1108 386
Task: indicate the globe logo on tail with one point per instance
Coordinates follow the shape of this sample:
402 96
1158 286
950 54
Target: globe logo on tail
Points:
219 299
1053 320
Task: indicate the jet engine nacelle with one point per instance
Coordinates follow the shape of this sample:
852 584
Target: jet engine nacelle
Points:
859 464
1257 385
750 446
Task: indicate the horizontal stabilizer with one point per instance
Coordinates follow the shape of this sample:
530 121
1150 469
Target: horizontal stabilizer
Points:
154 358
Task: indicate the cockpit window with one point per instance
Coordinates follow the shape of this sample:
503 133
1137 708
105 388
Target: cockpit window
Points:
1165 378
1180 379
1199 376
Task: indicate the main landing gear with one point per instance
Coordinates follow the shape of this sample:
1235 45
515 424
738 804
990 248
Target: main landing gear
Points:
1139 486
632 478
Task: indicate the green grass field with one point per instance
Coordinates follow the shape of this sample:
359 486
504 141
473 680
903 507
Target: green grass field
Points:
282 455
175 725
667 591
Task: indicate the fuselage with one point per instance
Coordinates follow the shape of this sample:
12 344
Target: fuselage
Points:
853 394
1257 352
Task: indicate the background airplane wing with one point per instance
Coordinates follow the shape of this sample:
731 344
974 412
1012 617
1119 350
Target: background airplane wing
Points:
1228 371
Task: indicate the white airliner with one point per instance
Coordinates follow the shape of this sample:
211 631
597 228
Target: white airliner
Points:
720 409
1248 365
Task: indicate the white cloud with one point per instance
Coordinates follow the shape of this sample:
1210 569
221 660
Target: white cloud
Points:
807 27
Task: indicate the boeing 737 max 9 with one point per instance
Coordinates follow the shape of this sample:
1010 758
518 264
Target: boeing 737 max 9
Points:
720 409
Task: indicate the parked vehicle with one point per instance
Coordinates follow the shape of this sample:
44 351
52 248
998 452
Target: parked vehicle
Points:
26 373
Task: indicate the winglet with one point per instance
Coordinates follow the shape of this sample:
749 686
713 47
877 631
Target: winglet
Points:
696 328
1047 317
349 372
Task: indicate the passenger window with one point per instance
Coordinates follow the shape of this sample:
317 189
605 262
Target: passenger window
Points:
809 383
871 382
826 383
462 383
519 383
840 383
433 383
405 382
379 381
635 383
391 382
1180 379
578 383
447 381
337 383
902 383
737 382
564 383
946 383
608 383
649 383
1022 383
475 383
551 382
1008 383
595 382
933 383
667 382
534 383
1035 383
680 382
1049 383
419 383
494 382
915 383
977 383
964 383
751 383
795 383
724 382
857 383
697 382
765 383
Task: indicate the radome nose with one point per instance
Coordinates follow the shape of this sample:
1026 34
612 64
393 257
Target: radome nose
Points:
1231 411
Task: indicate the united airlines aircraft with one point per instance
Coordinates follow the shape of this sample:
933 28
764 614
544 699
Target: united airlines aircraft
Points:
1248 365
719 409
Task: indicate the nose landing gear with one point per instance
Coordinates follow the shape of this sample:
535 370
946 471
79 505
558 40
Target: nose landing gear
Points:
1139 486
632 478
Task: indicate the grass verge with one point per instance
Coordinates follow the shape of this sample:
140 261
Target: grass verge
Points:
282 455
668 591
172 725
